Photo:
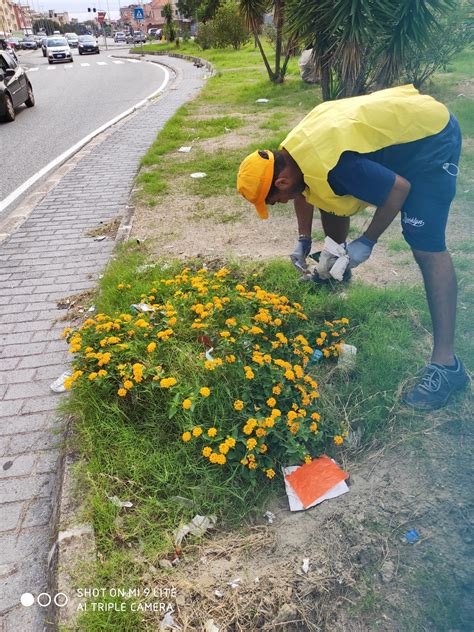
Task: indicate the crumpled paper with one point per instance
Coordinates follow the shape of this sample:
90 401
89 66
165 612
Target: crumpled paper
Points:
198 526
333 260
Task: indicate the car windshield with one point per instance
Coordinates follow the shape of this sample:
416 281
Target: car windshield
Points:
86 38
72 36
57 41
30 38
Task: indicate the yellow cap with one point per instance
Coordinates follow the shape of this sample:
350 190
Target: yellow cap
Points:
254 180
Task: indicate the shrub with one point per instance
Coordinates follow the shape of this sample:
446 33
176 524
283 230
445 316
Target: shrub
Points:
206 37
230 366
229 26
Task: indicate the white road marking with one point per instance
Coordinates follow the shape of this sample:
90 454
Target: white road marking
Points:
51 68
69 67
85 64
134 61
114 61
75 148
32 69
102 63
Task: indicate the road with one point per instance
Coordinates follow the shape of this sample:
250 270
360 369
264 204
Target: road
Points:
72 100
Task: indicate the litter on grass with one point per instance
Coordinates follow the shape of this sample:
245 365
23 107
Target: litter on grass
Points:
234 583
210 626
120 503
262 100
270 516
347 356
58 385
411 537
333 260
310 484
99 238
208 354
185 149
199 174
305 565
168 623
198 526
142 307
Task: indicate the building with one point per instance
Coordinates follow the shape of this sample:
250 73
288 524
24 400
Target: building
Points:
8 23
23 18
153 12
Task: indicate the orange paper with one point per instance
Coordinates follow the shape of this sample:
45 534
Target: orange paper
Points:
312 480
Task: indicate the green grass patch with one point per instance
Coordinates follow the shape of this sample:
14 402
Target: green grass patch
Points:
398 244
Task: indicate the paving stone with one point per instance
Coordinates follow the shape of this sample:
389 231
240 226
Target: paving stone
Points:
26 488
10 518
17 465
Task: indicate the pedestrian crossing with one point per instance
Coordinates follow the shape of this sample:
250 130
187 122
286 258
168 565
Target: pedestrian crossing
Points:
84 64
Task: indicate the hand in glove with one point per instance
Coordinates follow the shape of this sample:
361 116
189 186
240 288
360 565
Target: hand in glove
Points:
359 250
301 251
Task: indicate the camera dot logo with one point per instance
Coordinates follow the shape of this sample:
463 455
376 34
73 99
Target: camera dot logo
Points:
60 599
27 599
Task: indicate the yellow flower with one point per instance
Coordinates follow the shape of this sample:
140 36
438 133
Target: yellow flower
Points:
307 458
314 427
238 404
276 390
292 415
276 413
338 440
212 432
68 382
221 459
102 373
204 391
251 443
186 436
151 347
213 457
230 359
271 401
316 416
66 332
270 473
92 375
122 392
260 432
230 442
224 448
225 334
263 448
289 374
207 451
128 384
197 431
187 403
231 322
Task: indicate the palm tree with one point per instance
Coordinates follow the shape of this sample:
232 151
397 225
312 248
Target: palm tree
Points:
253 12
169 23
362 43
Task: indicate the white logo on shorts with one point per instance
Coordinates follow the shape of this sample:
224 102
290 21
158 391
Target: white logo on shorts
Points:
414 221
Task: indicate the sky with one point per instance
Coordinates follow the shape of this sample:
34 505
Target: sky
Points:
78 8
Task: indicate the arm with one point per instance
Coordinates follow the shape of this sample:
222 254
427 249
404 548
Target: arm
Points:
304 216
385 214
335 226
360 249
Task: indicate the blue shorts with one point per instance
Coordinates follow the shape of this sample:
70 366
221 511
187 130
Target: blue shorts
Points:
425 212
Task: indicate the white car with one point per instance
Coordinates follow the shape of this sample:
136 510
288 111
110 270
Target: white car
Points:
57 49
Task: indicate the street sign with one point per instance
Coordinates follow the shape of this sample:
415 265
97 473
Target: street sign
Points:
138 13
100 16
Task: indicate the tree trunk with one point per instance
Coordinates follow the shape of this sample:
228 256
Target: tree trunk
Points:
271 74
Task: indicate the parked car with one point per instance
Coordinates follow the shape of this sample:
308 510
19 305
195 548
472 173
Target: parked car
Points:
29 43
14 42
72 39
57 49
120 37
88 44
139 37
15 87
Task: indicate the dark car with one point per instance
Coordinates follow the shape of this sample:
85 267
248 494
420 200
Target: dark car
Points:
29 43
88 44
15 87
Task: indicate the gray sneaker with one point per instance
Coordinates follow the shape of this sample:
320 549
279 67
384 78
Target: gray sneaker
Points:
436 386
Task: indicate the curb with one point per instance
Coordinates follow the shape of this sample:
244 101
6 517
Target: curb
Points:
196 60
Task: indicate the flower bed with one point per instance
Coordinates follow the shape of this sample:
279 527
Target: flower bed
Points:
232 365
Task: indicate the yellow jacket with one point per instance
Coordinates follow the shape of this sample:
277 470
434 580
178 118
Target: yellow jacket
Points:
362 124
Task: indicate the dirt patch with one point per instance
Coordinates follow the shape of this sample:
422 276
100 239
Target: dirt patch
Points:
105 229
362 574
76 305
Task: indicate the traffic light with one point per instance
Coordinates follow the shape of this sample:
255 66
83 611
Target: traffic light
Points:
93 9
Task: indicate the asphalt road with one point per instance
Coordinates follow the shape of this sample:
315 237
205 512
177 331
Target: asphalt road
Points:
72 100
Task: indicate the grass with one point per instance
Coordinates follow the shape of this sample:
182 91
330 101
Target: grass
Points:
140 461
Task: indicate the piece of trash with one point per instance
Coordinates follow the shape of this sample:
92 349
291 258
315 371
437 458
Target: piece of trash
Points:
165 564
91 308
208 354
218 594
199 174
210 626
168 623
147 266
186 502
234 583
58 385
120 503
142 307
316 357
411 537
262 100
270 516
227 129
100 238
305 565
198 526
347 356
310 484
333 260
257 580
185 149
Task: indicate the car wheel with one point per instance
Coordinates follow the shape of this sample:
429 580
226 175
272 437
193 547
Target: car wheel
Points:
98 52
71 60
44 54
9 109
80 53
49 61
30 101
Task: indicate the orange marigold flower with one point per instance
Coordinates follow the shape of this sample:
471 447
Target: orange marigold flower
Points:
122 392
338 440
205 391
186 436
197 431
271 401
151 347
238 404
270 473
207 451
212 432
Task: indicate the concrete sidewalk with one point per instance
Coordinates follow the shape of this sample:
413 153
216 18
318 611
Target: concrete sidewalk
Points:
46 259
